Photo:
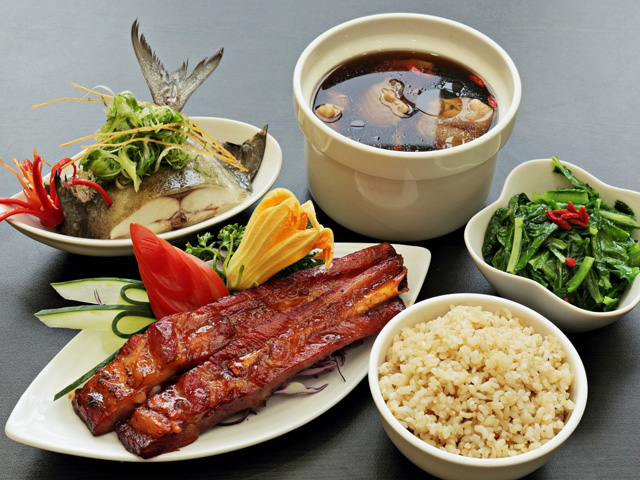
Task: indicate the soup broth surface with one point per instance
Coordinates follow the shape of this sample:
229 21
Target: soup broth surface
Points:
408 101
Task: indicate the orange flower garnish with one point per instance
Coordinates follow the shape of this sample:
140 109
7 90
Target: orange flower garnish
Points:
275 238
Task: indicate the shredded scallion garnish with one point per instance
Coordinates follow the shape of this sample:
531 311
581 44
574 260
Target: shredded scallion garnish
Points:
138 137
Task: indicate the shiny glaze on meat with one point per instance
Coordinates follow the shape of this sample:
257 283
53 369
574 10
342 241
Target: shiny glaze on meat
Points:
244 373
178 342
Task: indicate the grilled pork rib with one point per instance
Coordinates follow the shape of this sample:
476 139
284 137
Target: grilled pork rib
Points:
244 373
179 342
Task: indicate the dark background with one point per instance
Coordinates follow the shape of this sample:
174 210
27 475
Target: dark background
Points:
580 68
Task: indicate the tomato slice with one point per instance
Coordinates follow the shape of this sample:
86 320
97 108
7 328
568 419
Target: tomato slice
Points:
175 281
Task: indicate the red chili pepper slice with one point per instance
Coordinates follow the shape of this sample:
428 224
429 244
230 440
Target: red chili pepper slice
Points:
54 215
571 262
18 210
477 80
15 201
94 185
38 200
55 170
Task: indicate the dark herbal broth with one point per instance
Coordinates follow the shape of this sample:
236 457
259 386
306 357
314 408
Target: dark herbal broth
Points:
409 101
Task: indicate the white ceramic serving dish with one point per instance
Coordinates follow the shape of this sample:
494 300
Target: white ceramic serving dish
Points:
402 196
457 467
538 176
223 130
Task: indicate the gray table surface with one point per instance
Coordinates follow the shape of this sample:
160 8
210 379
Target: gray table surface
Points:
580 68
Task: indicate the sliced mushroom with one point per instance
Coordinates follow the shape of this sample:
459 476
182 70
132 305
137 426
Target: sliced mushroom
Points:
383 104
460 120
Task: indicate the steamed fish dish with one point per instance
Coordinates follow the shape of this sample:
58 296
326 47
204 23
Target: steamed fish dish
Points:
150 164
152 175
168 199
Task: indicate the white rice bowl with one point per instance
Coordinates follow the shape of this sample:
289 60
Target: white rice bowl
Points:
477 384
476 381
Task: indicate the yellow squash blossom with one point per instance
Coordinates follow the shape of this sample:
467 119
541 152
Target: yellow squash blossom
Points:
275 238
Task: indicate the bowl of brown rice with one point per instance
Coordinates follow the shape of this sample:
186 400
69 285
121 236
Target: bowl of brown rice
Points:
476 386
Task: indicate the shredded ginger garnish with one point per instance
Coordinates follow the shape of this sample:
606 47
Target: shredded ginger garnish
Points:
112 142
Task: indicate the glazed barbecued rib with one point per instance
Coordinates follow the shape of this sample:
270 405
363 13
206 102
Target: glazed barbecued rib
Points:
176 343
246 372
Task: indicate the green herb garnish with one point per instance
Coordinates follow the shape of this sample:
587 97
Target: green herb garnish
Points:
128 157
139 137
219 248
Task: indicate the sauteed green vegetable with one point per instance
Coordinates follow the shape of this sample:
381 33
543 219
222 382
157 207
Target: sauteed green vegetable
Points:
568 240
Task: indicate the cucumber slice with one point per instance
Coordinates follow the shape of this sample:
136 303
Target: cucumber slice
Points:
105 291
127 326
91 317
111 342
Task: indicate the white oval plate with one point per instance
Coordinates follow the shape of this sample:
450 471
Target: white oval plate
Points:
40 422
223 130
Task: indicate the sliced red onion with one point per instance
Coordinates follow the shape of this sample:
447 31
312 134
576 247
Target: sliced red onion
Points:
244 416
323 366
327 364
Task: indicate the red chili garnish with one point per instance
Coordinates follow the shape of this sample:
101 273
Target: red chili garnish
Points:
492 102
17 210
477 80
566 299
56 170
571 262
40 201
94 185
429 72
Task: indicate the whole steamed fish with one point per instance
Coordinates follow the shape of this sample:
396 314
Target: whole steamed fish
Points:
172 197
166 200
